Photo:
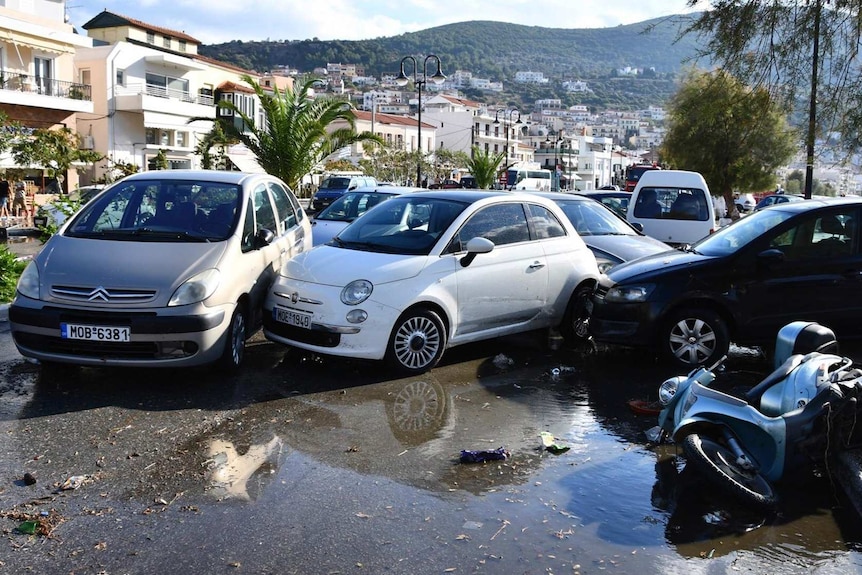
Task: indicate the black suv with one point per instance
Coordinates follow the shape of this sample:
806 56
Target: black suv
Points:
794 261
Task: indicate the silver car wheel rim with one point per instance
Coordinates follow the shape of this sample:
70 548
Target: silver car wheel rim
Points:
692 340
417 406
237 338
416 343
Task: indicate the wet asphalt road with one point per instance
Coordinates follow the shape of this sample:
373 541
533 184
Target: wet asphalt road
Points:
308 465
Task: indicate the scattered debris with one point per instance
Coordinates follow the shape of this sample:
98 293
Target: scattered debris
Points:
643 407
549 442
502 361
483 455
73 482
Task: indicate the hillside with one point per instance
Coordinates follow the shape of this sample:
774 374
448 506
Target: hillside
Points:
496 50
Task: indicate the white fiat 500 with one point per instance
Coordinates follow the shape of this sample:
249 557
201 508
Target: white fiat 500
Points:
165 268
426 271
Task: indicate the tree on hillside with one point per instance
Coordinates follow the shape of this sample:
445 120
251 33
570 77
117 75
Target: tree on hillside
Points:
483 167
735 136
804 52
297 134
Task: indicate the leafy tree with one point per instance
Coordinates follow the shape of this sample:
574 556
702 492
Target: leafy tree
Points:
54 149
804 52
9 132
218 139
160 162
446 161
483 166
297 134
735 136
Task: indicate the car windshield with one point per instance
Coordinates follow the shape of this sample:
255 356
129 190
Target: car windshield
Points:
160 210
592 219
729 239
402 225
334 183
350 206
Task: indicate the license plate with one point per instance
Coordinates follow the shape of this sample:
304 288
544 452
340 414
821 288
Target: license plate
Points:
291 317
94 332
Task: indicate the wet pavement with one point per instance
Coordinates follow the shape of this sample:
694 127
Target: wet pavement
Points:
302 464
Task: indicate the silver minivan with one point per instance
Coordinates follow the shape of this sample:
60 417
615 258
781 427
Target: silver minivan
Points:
164 268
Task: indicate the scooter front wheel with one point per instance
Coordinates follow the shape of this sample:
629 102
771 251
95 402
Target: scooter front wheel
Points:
719 465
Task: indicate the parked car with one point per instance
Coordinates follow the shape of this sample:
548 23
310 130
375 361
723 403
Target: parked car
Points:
744 203
326 224
615 200
336 184
674 206
165 268
427 271
611 239
445 185
794 261
776 198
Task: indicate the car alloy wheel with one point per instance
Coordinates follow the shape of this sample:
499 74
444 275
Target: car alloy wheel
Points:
695 336
234 347
417 342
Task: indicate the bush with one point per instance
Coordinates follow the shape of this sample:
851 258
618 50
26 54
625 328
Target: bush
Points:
10 271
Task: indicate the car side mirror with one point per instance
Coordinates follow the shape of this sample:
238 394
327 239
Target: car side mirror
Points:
263 238
771 257
638 226
475 247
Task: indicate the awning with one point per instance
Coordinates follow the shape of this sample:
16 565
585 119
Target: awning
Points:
246 163
174 61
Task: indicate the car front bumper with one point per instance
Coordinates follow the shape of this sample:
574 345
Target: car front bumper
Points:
171 337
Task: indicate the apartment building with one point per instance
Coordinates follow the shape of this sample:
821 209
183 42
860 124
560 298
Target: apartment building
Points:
39 84
148 84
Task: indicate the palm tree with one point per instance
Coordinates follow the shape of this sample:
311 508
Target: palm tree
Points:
295 138
483 167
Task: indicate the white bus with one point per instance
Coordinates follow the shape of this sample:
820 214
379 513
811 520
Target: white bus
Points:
521 178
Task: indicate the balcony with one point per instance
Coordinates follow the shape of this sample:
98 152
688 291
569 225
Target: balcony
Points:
39 92
144 97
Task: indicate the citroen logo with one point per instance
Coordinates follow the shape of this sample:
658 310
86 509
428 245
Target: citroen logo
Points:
99 293
294 297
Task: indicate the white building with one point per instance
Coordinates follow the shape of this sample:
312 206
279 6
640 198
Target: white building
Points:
148 82
528 77
39 84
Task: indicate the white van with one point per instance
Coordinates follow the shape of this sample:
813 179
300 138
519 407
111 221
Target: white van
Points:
673 206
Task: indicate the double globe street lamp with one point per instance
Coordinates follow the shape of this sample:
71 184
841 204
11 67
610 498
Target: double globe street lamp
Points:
402 79
510 117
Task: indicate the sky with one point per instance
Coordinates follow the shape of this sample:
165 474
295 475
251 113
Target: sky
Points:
216 21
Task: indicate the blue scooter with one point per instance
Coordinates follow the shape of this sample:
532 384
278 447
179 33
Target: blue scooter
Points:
786 422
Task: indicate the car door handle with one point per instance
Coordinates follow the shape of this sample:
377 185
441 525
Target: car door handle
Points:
536 265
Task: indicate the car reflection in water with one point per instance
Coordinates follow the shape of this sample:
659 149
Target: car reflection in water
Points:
230 471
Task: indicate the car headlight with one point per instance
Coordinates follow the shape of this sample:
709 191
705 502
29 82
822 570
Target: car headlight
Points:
28 282
356 292
197 288
629 294
668 389
605 265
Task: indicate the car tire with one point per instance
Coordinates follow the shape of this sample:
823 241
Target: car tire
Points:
234 345
417 342
694 336
575 326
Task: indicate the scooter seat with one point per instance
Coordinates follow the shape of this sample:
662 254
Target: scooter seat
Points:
755 393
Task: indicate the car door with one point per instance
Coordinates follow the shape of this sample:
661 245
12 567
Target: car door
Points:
816 277
290 217
505 289
262 261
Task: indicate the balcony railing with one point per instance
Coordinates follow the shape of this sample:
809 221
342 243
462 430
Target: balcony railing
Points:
45 86
163 92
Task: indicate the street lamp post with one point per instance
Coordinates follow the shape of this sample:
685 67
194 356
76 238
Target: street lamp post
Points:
402 80
555 178
507 114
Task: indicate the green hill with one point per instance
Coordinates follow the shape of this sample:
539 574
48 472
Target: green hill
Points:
496 51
